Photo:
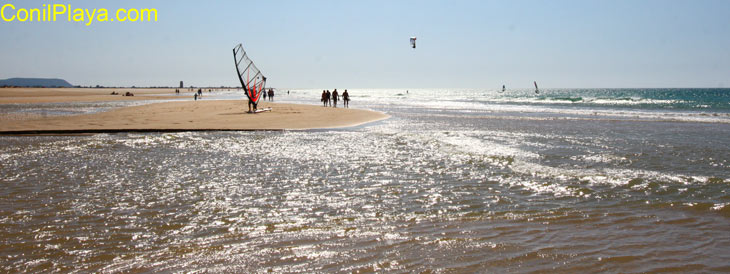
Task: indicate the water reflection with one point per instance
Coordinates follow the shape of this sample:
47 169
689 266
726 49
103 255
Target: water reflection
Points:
420 191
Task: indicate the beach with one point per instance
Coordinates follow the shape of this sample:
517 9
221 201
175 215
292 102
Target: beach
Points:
480 137
186 115
456 180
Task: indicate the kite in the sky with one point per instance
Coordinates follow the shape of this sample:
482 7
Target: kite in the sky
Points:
413 42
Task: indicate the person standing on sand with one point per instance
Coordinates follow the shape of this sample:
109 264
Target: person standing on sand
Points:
265 93
251 103
335 96
346 99
324 98
195 96
271 94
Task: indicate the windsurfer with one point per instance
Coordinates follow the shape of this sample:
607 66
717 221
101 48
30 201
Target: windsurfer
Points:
251 103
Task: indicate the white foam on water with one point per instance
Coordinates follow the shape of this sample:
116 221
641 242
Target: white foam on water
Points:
548 179
720 206
583 112
488 101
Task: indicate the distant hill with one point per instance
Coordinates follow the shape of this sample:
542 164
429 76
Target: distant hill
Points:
35 82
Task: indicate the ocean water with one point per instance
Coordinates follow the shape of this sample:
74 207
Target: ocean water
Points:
572 180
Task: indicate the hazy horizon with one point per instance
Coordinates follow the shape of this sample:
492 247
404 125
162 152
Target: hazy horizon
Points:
358 45
360 88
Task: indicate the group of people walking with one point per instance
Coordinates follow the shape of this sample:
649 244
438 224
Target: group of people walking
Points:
270 93
330 99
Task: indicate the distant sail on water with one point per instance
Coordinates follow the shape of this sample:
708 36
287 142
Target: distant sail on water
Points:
537 90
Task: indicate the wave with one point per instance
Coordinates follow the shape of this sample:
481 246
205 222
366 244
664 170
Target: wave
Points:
548 111
524 169
571 99
653 104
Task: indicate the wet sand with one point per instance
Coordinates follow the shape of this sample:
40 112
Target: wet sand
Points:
195 116
63 95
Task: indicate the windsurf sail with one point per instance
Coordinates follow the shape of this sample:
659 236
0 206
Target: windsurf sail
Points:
536 89
252 80
413 42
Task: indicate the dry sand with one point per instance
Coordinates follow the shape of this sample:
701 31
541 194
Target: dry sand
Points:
183 116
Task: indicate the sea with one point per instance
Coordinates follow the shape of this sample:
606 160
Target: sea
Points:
456 180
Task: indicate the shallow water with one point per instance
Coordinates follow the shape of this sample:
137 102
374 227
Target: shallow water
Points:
70 108
450 187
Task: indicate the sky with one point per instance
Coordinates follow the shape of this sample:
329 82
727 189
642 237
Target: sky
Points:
365 44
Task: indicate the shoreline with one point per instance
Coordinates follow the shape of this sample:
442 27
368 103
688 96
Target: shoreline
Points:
217 115
67 95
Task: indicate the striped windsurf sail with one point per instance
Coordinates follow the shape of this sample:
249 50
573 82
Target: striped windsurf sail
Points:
252 80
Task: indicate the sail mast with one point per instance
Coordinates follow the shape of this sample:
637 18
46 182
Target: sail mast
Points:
255 81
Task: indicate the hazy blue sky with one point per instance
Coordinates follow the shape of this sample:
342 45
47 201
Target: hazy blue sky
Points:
364 44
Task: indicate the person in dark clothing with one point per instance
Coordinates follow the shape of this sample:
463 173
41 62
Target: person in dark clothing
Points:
251 103
346 99
335 96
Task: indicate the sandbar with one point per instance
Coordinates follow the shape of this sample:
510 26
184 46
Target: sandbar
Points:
198 115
